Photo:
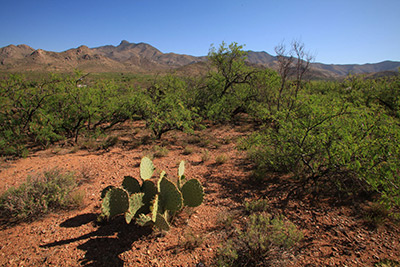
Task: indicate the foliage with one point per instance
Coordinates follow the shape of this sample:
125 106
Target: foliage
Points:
151 203
221 159
164 107
260 238
43 112
326 137
38 196
226 89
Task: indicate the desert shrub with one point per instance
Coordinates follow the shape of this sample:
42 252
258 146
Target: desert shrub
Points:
41 112
387 263
256 205
258 242
164 107
221 159
355 146
205 155
38 196
160 151
188 150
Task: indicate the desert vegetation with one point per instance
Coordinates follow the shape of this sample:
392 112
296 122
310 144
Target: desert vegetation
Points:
337 139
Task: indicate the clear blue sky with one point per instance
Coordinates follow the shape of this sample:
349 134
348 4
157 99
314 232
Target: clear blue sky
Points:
335 31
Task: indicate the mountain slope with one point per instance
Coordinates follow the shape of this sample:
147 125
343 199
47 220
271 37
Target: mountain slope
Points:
143 57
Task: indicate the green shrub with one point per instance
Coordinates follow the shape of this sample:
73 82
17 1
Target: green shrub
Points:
205 155
355 147
221 159
256 205
262 234
38 196
188 150
160 151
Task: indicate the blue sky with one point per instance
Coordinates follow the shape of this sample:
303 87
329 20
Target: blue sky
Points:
337 32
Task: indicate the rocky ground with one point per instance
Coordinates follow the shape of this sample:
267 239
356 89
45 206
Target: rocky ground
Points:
336 232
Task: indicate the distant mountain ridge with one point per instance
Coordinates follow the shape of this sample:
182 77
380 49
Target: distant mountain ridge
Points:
142 57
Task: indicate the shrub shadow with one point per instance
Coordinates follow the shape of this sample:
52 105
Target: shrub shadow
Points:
103 247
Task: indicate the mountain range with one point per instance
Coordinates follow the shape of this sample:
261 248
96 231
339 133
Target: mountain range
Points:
144 58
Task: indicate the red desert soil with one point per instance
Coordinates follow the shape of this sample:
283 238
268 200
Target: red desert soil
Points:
335 233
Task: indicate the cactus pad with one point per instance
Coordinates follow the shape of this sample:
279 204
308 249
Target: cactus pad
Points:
146 168
115 202
154 209
181 169
135 203
105 190
170 197
131 185
193 193
143 220
161 222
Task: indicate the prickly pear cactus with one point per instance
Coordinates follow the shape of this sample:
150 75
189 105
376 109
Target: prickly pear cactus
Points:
154 209
151 203
170 197
181 174
161 223
131 185
135 203
150 191
115 202
105 190
144 220
146 168
181 169
193 193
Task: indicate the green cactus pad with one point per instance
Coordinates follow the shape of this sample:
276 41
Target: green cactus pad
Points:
181 181
135 203
161 223
105 190
146 168
143 220
181 169
154 209
193 193
131 185
149 189
163 174
170 196
115 202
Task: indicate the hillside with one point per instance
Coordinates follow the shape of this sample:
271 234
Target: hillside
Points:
142 57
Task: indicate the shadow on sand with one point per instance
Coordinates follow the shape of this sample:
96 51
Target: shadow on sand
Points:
103 247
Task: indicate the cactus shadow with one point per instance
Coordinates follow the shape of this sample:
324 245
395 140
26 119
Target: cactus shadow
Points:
104 245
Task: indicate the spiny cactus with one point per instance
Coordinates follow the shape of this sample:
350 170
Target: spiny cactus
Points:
181 174
193 193
161 223
151 203
150 191
154 209
146 168
192 190
143 220
170 197
105 190
115 202
135 203
131 185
